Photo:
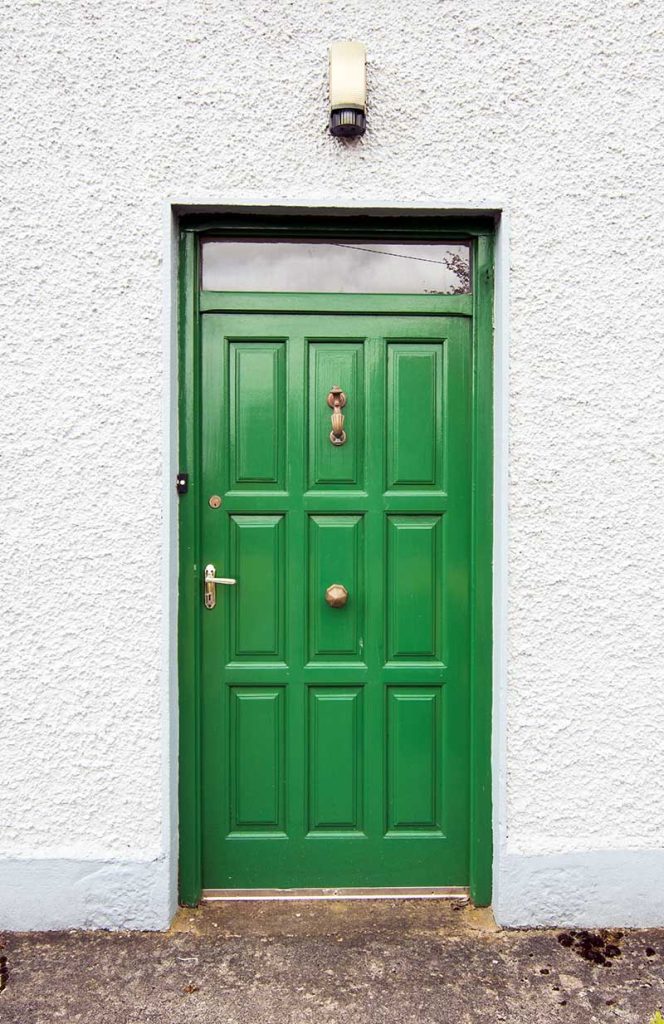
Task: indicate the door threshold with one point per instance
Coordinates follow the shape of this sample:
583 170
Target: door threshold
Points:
430 892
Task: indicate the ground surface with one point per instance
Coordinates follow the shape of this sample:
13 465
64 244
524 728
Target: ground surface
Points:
333 963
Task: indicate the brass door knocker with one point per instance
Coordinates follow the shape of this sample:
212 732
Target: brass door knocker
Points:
336 401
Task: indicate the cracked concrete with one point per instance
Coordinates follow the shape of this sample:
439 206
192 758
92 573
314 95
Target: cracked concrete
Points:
333 963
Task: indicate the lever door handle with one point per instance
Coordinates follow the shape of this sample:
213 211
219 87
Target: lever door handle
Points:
210 585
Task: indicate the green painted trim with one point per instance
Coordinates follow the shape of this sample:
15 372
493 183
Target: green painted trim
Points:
481 647
318 302
188 587
399 226
286 224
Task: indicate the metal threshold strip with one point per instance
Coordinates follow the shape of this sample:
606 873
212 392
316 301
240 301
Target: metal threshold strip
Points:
431 892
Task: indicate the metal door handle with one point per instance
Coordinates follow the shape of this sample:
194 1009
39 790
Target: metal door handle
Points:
210 585
336 595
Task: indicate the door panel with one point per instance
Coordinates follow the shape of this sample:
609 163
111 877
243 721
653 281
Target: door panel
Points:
335 758
335 739
414 428
413 743
414 586
257 558
257 759
255 399
336 551
328 363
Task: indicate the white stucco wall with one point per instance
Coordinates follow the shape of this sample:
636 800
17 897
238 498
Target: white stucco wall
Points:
109 110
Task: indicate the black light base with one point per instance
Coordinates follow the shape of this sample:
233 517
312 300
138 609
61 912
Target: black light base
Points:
348 122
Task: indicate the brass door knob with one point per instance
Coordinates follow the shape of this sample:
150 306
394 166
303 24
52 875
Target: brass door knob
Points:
336 595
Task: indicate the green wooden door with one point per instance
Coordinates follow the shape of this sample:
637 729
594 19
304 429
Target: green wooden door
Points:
335 740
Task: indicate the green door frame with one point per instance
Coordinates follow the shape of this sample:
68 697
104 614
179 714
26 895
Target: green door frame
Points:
480 231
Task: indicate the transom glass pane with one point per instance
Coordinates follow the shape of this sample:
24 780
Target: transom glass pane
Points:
425 268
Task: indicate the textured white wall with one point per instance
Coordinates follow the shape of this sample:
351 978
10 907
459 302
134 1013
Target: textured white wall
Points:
109 109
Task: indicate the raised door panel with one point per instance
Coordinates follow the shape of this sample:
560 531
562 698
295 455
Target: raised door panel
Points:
257 601
414 427
335 364
257 759
335 759
414 587
336 555
257 374
413 759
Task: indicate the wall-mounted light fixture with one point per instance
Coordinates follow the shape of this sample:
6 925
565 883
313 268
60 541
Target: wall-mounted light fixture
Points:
348 89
